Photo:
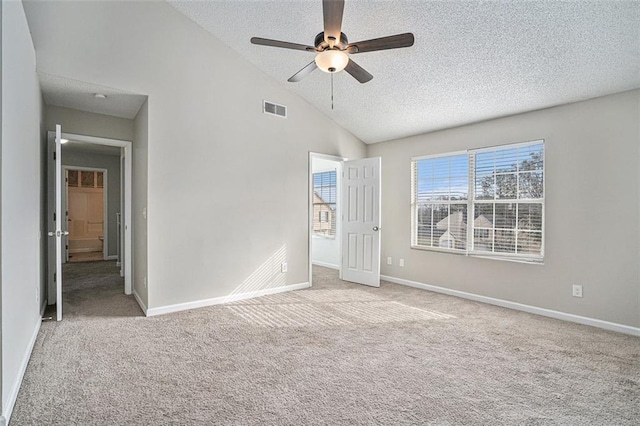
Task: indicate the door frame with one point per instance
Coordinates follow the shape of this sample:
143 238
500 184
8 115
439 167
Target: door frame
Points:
320 156
125 196
105 204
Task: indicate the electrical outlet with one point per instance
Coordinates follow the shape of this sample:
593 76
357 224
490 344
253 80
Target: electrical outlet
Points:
389 261
284 267
577 290
144 281
401 263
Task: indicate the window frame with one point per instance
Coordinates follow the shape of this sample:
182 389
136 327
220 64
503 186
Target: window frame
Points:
472 202
414 218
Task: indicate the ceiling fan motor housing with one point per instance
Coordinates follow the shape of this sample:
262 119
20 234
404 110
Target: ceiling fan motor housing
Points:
322 45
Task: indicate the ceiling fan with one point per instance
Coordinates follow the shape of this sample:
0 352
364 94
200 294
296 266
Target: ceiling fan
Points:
333 49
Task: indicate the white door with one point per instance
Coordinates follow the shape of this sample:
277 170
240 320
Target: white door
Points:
361 221
57 234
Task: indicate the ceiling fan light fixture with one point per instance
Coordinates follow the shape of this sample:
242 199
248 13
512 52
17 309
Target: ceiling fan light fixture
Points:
332 60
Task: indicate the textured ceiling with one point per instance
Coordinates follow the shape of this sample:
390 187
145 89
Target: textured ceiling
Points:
64 92
471 61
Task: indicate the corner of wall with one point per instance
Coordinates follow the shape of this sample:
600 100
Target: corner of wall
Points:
2 419
140 191
43 208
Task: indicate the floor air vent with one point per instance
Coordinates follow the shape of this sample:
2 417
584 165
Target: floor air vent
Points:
274 109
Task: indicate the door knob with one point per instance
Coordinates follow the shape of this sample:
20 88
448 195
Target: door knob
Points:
375 228
57 233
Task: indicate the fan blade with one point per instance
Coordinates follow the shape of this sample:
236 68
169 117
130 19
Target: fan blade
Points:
358 72
283 44
332 12
382 43
303 72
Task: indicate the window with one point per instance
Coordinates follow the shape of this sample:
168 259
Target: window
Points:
85 179
501 188
324 204
441 194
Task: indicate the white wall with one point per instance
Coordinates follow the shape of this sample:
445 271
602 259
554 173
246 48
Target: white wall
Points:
326 251
2 419
88 123
592 214
21 200
219 216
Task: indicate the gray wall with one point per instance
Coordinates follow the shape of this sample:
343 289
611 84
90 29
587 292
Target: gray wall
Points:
88 123
112 164
591 212
227 184
140 171
1 116
21 200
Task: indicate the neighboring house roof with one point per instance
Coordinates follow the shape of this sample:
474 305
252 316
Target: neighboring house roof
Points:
318 200
457 227
482 222
454 224
447 236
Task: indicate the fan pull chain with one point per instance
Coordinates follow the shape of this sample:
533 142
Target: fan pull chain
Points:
332 91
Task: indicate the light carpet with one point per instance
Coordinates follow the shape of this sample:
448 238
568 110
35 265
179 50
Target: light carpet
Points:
338 353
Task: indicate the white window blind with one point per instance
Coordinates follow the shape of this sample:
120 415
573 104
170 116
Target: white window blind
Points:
501 188
508 200
324 203
441 202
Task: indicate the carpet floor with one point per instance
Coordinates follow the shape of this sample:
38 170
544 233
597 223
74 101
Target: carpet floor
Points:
337 353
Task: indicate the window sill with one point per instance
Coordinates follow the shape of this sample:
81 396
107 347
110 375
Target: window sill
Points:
528 261
324 237
440 250
506 258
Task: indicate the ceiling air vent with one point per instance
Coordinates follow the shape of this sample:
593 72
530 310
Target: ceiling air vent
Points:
274 109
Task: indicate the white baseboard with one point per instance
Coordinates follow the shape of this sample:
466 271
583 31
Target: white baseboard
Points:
140 302
223 299
621 328
13 393
326 265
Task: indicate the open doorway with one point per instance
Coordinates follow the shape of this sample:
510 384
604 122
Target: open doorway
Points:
345 217
87 197
325 208
94 191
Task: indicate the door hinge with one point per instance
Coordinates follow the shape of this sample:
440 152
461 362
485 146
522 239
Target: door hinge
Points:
54 217
55 277
54 155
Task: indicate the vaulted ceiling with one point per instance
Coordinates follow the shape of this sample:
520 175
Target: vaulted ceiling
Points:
471 61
